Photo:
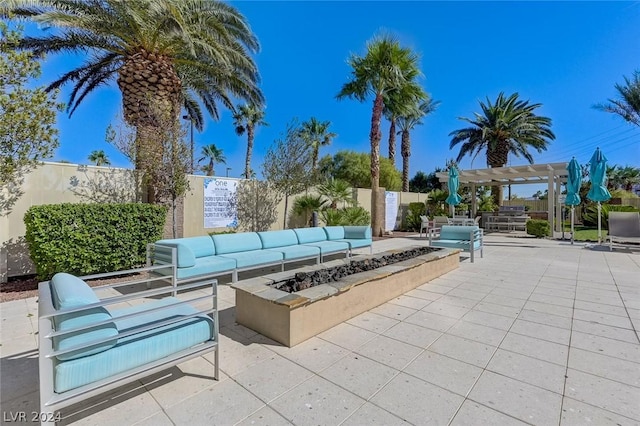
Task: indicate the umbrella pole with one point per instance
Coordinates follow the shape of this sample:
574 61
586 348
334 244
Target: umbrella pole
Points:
599 224
572 213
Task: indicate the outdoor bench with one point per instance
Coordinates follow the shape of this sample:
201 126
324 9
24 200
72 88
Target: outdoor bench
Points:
89 345
465 238
222 254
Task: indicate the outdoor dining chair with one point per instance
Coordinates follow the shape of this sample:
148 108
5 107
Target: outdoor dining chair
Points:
624 227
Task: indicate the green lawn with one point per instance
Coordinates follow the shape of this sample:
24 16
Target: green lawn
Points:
582 233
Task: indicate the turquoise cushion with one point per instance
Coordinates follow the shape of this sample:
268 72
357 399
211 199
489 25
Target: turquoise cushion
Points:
334 232
272 239
456 244
185 256
357 232
234 243
297 251
253 258
327 247
448 232
358 242
310 235
207 266
139 349
69 292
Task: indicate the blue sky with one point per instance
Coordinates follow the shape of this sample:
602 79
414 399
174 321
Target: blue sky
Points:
565 55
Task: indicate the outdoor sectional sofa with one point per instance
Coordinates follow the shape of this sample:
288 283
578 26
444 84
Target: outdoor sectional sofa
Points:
232 253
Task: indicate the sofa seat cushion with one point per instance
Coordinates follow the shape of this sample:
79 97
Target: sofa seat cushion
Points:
357 232
139 349
297 251
254 257
68 292
310 235
356 243
463 245
207 266
327 247
334 232
273 239
236 243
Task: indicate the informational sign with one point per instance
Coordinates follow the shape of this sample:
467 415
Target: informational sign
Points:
218 213
391 210
562 198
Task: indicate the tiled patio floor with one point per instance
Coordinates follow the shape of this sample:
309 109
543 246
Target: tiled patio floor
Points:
536 332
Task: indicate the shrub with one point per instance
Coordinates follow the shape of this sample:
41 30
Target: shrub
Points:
85 239
412 219
346 216
590 216
538 228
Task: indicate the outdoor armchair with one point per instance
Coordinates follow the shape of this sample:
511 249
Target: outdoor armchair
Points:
624 227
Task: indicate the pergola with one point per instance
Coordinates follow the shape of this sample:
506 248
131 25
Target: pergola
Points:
553 174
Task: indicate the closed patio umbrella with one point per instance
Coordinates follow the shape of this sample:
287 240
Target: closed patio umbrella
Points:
453 183
598 192
573 189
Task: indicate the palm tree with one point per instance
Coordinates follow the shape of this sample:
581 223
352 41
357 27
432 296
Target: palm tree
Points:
509 126
628 106
316 133
384 69
246 119
337 191
213 155
99 158
406 123
164 54
305 205
399 103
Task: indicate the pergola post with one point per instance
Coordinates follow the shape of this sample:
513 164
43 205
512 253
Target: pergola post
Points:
558 206
551 199
474 202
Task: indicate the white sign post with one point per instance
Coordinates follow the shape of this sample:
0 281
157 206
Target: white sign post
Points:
391 210
217 212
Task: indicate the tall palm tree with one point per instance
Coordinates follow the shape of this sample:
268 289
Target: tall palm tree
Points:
336 191
164 54
316 133
99 158
213 155
628 105
246 119
384 69
410 119
399 103
509 126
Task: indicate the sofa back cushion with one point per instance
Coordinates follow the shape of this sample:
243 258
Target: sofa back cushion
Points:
234 243
357 232
450 232
70 292
310 235
186 258
275 239
334 232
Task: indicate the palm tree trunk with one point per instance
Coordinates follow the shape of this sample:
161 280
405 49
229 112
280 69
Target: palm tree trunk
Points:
247 164
392 140
314 158
406 152
374 137
286 206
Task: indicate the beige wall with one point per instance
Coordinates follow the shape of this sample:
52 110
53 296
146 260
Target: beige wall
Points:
54 183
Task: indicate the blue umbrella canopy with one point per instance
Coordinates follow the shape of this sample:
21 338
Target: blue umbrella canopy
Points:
573 183
454 182
597 174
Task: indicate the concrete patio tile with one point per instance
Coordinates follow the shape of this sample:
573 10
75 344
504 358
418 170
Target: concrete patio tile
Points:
424 294
547 319
473 414
607 331
552 300
479 333
434 288
19 374
492 308
529 370
389 352
314 354
360 375
489 320
604 393
511 293
370 414
576 413
238 354
518 399
464 350
410 302
613 300
413 334
373 322
446 309
458 301
478 285
317 402
347 336
265 416
468 294
272 378
417 401
448 373
18 345
605 346
605 366
536 348
447 281
432 321
238 329
220 405
541 331
504 300
601 318
27 403
391 310
548 308
562 294
158 419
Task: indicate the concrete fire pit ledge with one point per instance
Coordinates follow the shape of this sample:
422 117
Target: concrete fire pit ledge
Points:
291 318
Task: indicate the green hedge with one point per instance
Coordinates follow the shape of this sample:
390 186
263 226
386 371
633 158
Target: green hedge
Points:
85 239
539 228
412 220
590 216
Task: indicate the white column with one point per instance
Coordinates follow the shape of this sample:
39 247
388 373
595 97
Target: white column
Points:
558 206
551 199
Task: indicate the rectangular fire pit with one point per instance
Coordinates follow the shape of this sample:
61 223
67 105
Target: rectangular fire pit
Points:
291 318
